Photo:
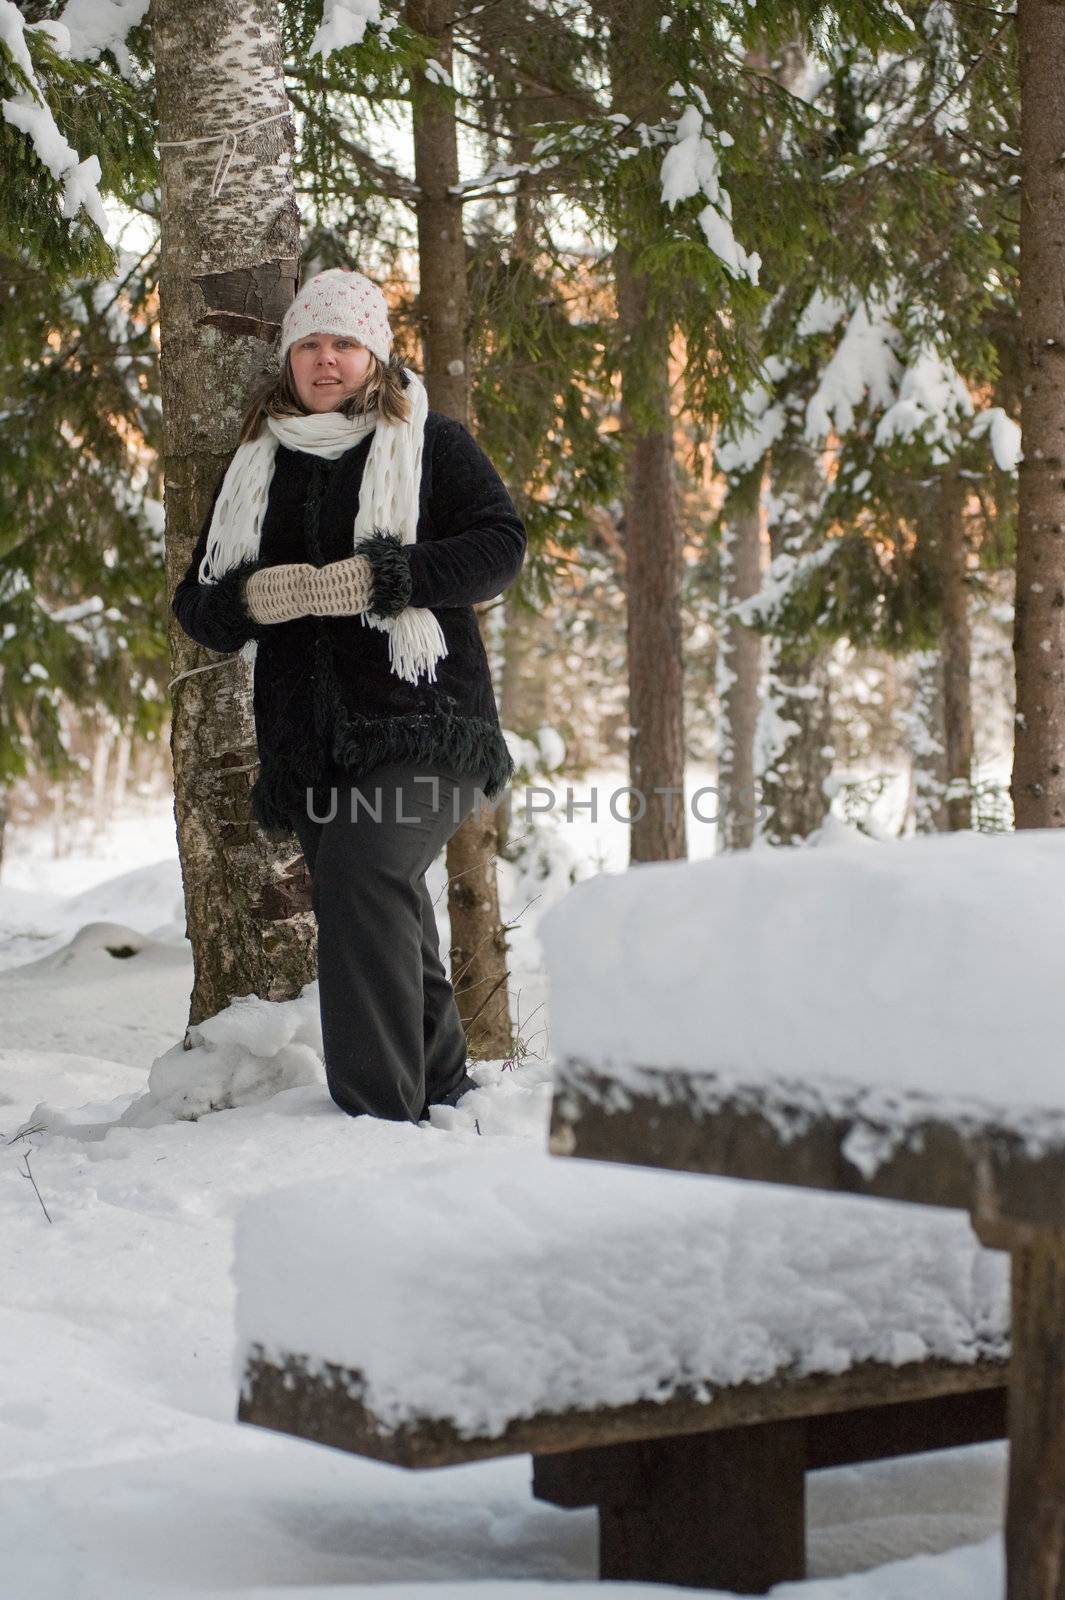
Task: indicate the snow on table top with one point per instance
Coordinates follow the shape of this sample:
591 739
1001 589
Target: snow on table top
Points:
504 1286
931 966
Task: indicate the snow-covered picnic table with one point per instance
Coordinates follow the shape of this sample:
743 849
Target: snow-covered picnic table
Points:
678 1353
883 1019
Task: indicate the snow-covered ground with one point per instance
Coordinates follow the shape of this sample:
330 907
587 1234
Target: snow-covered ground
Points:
123 1474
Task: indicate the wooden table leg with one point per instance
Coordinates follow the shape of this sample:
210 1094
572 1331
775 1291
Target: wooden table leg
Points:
1035 1518
724 1510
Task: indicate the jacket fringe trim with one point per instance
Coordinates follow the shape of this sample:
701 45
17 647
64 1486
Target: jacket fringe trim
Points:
362 744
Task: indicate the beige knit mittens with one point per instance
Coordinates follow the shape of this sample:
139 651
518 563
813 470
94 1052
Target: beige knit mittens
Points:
278 594
341 589
298 589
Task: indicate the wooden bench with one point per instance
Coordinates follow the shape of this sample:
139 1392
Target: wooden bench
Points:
881 1021
702 1484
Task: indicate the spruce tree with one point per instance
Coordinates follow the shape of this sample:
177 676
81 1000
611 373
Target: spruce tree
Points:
876 349
72 132
81 583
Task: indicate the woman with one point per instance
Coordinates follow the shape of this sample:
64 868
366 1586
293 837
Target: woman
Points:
349 540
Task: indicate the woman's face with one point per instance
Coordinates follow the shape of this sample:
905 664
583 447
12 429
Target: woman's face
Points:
327 368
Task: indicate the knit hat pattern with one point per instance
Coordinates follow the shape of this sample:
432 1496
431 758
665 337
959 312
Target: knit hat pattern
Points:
339 302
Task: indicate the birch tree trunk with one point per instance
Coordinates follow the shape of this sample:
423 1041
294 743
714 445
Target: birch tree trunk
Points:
743 650
957 652
59 817
795 754
795 728
230 251
1038 785
478 942
924 723
120 782
739 668
103 740
653 540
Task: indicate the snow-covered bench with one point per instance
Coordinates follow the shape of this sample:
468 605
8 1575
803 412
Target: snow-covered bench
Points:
881 1020
676 1352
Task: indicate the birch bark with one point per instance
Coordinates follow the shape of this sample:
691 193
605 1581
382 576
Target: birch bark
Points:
230 252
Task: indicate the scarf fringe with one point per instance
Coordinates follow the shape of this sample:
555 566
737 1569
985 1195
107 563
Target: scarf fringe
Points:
416 642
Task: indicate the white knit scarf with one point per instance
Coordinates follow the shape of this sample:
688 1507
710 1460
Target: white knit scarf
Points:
388 499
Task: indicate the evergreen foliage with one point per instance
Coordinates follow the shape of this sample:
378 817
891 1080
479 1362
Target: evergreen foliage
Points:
789 167
81 568
97 133
923 190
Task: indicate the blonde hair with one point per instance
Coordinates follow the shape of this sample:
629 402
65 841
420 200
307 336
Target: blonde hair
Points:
381 389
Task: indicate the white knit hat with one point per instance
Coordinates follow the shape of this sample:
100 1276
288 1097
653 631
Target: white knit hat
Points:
340 302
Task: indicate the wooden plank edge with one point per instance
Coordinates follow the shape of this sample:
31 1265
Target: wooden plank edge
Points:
688 1122
326 1405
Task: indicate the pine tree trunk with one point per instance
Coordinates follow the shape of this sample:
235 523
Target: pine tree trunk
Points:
654 553
525 691
525 686
1038 785
228 269
478 942
795 726
957 651
653 540
525 699
739 668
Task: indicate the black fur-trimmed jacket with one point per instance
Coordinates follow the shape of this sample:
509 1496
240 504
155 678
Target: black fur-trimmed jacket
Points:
326 700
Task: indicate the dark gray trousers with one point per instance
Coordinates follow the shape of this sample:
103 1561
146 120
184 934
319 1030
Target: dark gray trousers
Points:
392 1037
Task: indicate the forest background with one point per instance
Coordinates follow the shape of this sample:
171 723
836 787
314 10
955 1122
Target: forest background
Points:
730 293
